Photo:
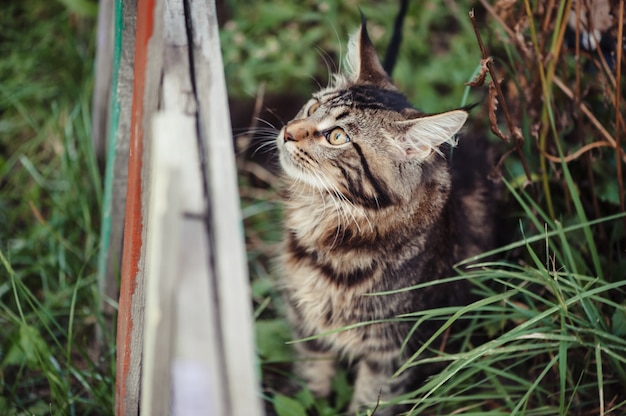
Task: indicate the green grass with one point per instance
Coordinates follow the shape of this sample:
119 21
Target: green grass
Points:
50 193
545 345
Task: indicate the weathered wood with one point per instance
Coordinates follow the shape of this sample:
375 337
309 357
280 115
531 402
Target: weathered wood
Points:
180 355
103 77
162 254
181 347
116 171
101 110
197 369
147 72
229 260
184 257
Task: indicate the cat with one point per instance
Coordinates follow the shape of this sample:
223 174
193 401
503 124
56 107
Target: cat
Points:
371 204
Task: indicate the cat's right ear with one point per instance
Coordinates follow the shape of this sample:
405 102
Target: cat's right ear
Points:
422 136
362 61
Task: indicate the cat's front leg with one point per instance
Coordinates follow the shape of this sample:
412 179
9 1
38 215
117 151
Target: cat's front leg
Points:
375 385
316 366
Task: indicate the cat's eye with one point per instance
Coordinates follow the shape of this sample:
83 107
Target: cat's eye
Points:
337 136
312 109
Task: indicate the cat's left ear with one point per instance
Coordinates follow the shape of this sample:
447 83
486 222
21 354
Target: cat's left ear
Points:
423 135
362 60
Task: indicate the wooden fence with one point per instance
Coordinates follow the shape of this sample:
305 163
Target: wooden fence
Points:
172 229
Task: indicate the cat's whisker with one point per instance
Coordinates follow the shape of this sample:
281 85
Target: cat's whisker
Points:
312 78
263 150
254 129
327 61
245 137
336 205
270 124
328 190
276 115
345 210
257 135
333 195
340 43
297 187
319 189
376 199
351 208
267 144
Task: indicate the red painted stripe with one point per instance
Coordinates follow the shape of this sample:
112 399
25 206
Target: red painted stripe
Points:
134 219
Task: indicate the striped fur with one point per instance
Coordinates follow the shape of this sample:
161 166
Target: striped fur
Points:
375 213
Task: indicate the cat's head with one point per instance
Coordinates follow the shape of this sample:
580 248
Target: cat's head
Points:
360 137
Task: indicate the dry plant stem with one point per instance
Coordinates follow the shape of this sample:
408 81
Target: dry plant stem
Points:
259 171
513 131
605 69
546 21
496 84
577 153
556 49
444 340
494 15
36 212
607 136
545 112
618 76
243 140
553 54
596 203
577 54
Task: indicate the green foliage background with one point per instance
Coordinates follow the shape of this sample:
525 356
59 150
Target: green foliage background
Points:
292 46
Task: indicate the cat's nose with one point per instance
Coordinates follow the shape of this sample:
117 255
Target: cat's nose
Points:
298 130
288 137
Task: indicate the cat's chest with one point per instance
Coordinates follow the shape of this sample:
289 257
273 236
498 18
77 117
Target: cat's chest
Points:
332 263
324 306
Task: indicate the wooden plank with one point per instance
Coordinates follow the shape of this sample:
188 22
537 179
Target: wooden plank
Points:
196 340
147 72
197 370
116 171
232 282
103 77
162 258
180 354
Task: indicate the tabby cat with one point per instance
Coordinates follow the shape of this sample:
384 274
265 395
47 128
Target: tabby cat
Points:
371 205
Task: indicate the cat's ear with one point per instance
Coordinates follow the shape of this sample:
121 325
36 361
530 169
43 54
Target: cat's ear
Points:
423 135
362 61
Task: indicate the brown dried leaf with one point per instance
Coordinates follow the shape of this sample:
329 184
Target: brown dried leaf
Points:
524 47
518 137
495 174
535 128
492 101
479 79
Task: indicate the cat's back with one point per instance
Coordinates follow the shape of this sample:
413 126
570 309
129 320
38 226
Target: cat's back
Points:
474 196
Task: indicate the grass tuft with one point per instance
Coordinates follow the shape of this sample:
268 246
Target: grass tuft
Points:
50 193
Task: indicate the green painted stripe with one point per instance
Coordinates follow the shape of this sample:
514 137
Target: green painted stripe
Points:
105 230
